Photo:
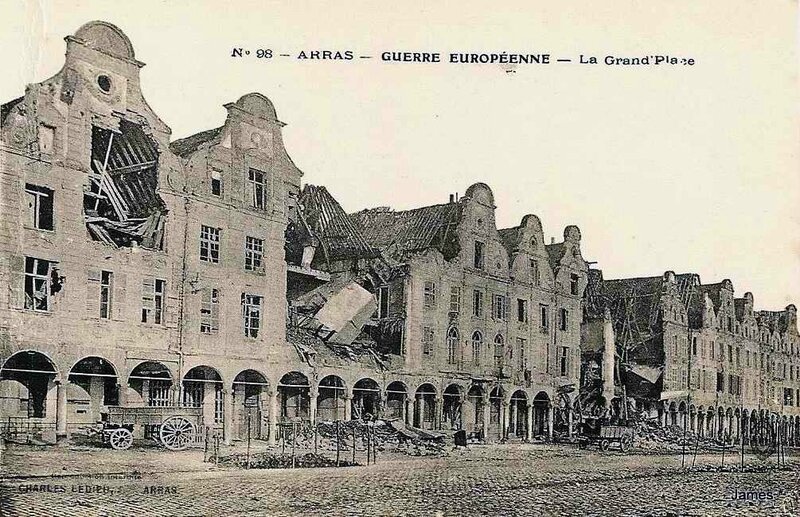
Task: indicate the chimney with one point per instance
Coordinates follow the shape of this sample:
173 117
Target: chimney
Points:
452 198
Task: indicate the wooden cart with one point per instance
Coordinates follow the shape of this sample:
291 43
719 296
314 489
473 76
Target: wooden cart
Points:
606 435
175 428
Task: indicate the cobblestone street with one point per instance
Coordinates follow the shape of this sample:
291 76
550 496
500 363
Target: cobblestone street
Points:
499 480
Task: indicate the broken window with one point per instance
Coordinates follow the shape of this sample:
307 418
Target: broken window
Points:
427 340
209 311
573 283
430 295
254 254
563 316
479 258
477 303
40 206
544 320
153 291
216 183
209 244
563 361
39 274
258 189
121 205
251 313
383 301
522 310
106 286
535 276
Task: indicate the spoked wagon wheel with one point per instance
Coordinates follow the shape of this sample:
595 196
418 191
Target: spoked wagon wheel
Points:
121 439
625 444
176 433
604 445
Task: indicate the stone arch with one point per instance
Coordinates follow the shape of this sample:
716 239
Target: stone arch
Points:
28 386
396 397
150 383
425 406
518 417
294 396
366 399
542 405
106 37
477 347
453 396
331 398
474 405
203 387
250 389
453 351
93 385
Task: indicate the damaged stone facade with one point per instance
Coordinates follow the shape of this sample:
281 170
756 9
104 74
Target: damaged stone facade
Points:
143 271
693 354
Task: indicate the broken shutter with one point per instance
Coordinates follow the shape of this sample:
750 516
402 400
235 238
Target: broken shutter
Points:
17 291
120 285
93 292
148 300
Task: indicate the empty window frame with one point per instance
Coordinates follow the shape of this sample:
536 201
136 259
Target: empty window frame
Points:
535 274
254 254
383 301
209 311
479 258
544 316
429 301
37 284
477 344
153 296
563 361
216 183
563 319
251 314
106 290
522 310
452 346
574 283
257 182
209 244
40 207
499 351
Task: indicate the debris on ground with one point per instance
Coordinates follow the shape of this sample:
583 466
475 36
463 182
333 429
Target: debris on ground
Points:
651 436
268 460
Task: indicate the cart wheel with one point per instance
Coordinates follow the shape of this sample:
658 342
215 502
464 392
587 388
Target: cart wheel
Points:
176 433
581 444
625 444
604 445
120 439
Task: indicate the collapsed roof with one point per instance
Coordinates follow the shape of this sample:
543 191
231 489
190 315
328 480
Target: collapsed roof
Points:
122 206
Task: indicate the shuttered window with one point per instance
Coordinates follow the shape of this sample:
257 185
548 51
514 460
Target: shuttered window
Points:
209 311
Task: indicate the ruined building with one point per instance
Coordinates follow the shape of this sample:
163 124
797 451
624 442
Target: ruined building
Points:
142 271
688 353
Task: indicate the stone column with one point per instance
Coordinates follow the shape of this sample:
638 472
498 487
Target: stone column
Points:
514 418
274 416
408 410
348 407
61 408
313 395
227 416
570 418
550 422
486 415
122 395
437 412
504 420
529 430
663 418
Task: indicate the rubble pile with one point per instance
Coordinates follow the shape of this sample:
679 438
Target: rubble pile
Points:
651 436
389 435
267 460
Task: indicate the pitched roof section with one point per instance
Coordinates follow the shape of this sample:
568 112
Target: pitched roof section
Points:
186 146
339 236
400 233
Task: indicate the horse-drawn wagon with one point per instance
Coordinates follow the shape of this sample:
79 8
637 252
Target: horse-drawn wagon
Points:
175 428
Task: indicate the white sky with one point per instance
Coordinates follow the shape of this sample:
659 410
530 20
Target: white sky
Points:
690 169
